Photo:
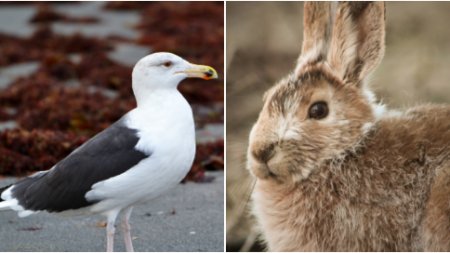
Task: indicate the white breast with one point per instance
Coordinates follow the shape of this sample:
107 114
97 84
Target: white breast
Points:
167 132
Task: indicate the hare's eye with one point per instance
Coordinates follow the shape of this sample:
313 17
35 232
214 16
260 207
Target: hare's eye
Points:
318 110
167 63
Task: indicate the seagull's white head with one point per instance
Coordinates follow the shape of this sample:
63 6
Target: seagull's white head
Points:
166 71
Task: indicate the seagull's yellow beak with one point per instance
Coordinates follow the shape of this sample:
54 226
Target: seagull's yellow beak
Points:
201 71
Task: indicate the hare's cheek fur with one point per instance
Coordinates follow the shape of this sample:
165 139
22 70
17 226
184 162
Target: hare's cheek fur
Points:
286 145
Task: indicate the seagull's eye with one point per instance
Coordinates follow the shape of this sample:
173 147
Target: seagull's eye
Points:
167 63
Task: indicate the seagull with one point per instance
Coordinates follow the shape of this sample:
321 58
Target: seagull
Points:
135 160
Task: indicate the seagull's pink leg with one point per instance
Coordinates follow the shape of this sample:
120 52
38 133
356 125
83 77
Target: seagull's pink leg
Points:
110 230
126 228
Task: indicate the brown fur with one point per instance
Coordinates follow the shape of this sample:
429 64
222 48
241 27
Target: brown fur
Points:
373 200
436 222
319 27
358 39
312 147
362 178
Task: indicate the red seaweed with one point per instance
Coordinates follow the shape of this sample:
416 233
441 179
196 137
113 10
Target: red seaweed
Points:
23 151
57 109
126 5
45 14
208 154
44 42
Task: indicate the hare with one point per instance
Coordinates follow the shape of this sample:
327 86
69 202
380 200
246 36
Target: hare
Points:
336 171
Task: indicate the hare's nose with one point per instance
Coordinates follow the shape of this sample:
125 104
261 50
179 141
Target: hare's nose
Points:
263 153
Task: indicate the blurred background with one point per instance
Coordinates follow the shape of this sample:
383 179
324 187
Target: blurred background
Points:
264 40
65 74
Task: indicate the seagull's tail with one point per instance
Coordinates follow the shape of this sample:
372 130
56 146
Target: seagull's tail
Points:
7 202
2 190
4 205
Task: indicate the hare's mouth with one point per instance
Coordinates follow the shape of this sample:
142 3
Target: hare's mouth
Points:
261 170
269 172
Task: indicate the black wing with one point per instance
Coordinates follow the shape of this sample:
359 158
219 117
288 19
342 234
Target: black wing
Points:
106 155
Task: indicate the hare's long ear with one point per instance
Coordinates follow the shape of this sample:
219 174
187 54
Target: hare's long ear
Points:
318 22
358 39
